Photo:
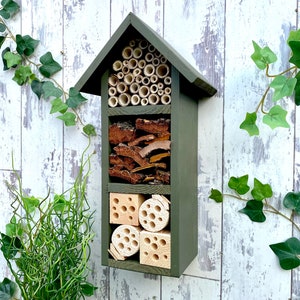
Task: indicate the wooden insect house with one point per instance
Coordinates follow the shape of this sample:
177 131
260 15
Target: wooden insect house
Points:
149 97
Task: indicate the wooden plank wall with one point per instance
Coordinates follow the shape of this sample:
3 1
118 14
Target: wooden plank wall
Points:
234 261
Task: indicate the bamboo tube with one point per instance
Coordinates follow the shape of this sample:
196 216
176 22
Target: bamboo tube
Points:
124 99
113 80
151 48
155 61
165 99
144 102
153 99
120 75
132 43
144 91
167 80
128 78
136 72
160 92
149 57
117 65
153 78
162 70
153 88
143 44
135 99
132 63
168 90
149 70
163 60
137 53
122 87
141 63
160 85
112 91
127 52
134 88
139 78
113 101
125 70
145 80
157 54
125 62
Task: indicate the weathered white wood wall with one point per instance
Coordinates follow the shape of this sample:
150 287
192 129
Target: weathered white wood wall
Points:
234 260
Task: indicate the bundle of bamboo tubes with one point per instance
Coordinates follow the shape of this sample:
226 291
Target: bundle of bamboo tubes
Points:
140 77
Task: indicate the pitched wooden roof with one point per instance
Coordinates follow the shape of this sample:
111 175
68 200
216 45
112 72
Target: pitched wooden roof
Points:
131 28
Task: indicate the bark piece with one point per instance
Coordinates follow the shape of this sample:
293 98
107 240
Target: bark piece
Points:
165 145
143 138
159 157
132 152
121 132
133 178
149 166
153 126
123 162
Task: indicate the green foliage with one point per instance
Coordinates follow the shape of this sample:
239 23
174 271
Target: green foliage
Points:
38 74
47 241
287 252
285 84
8 289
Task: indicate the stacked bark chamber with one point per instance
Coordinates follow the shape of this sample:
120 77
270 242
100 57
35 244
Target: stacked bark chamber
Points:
140 152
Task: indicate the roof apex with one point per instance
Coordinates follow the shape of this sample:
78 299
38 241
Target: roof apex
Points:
129 28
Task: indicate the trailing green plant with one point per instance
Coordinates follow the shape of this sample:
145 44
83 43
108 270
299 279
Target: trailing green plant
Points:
47 241
284 84
38 73
257 205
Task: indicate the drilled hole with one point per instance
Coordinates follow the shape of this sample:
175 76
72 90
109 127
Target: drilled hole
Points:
118 236
152 216
135 243
162 242
123 208
157 208
131 208
144 213
152 224
155 238
160 219
155 257
165 256
154 246
128 248
130 217
116 215
121 245
126 239
116 200
148 206
129 198
146 253
147 240
126 231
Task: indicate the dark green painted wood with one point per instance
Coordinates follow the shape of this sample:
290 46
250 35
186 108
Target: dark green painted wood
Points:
133 27
140 110
139 188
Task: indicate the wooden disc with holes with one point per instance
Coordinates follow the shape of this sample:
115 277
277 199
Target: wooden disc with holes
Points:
126 239
154 215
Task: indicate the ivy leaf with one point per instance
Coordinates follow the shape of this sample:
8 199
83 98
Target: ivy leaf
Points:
276 117
216 195
297 89
295 58
10 246
254 210
239 184
262 56
2 39
13 228
87 289
50 90
89 130
60 203
2 27
23 74
5 67
288 253
49 65
261 191
75 98
30 204
37 87
12 59
292 201
294 35
8 289
9 8
58 106
69 118
249 124
26 44
283 86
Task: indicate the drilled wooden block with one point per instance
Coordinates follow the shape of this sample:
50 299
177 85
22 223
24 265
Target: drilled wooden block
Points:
155 249
124 208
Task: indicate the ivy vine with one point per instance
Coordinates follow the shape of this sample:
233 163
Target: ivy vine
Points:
283 84
38 73
256 207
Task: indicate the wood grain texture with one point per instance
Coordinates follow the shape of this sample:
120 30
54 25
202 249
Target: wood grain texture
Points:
234 260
